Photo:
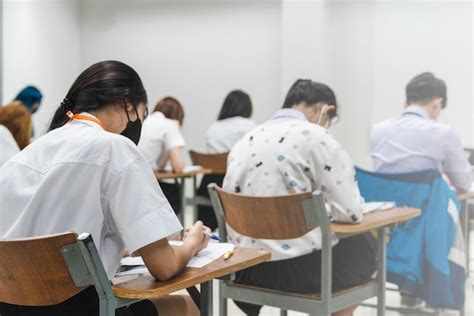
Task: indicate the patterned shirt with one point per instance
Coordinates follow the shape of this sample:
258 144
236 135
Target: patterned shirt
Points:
287 155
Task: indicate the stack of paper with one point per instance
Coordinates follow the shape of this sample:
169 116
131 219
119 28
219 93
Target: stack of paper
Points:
370 207
135 265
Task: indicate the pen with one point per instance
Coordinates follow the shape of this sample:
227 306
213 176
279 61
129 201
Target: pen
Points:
211 236
228 254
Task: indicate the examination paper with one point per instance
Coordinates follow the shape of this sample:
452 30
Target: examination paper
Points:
135 265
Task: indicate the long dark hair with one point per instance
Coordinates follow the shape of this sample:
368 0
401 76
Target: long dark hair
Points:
237 103
102 84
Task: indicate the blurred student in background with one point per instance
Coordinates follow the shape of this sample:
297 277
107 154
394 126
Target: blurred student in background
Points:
415 141
232 123
15 130
162 144
31 98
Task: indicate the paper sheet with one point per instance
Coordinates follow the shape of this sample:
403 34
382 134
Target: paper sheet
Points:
186 169
370 207
135 265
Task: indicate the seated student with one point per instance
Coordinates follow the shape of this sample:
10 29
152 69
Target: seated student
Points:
415 141
87 175
162 144
15 130
289 154
232 123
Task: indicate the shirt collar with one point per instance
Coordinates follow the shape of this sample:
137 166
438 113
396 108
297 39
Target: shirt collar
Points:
417 110
89 122
289 113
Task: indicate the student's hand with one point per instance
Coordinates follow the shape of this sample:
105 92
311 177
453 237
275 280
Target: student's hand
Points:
195 237
324 118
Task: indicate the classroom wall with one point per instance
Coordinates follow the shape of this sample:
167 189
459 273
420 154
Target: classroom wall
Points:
413 37
195 51
41 47
366 50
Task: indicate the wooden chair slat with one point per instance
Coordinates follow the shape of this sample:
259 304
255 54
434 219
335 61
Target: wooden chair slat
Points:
265 217
33 271
216 162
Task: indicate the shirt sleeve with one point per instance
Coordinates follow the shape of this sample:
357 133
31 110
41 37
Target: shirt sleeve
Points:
173 137
337 179
138 209
455 164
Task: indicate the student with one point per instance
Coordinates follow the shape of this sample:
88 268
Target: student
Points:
15 130
31 98
289 154
416 141
87 175
232 123
162 144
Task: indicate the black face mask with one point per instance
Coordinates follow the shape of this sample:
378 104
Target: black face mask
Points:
133 129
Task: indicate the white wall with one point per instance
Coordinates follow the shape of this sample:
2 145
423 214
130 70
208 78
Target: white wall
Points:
195 51
41 47
198 51
368 50
413 37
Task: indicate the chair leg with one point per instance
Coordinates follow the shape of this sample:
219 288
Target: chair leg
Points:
381 271
222 300
283 312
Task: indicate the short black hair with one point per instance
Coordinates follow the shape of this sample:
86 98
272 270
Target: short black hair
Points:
425 88
310 92
237 103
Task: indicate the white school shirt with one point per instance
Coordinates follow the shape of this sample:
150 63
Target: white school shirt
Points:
289 155
159 134
81 178
223 134
8 145
415 142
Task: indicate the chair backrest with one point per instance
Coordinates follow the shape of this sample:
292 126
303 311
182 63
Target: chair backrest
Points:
216 162
276 217
48 270
470 152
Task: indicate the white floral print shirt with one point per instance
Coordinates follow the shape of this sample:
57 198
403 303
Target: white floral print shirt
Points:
287 155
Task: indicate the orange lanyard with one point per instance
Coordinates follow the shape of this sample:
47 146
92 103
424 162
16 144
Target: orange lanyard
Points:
73 117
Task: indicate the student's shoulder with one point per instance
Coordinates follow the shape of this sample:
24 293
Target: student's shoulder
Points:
118 150
444 131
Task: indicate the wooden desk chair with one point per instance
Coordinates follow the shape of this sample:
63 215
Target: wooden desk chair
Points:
49 270
215 162
288 217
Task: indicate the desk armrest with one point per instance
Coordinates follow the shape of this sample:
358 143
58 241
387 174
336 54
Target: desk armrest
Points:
148 287
376 220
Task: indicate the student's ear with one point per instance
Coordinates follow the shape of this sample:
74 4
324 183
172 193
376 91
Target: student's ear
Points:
437 106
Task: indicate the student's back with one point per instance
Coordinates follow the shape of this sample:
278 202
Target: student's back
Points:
70 180
416 141
223 134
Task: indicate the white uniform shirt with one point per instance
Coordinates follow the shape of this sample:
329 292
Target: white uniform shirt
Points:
289 155
223 134
8 145
81 178
414 142
159 134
